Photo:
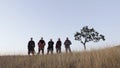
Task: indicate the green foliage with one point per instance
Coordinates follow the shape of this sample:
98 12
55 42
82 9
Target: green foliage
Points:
88 34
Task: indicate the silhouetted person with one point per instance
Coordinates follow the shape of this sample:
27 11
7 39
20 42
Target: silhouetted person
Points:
67 44
58 46
31 46
41 45
50 46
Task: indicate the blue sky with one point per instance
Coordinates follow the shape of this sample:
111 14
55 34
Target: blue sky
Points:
22 19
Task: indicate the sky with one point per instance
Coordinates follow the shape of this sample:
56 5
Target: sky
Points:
22 19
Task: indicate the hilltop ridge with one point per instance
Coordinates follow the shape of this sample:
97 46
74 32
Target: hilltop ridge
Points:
104 58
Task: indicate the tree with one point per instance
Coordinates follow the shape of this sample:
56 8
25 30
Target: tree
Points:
86 35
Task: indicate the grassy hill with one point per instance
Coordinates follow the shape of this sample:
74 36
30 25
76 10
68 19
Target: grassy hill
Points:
106 58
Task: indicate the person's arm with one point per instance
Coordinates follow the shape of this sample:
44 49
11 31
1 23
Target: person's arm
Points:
70 43
56 44
44 43
28 44
53 43
64 42
34 44
60 43
48 45
38 43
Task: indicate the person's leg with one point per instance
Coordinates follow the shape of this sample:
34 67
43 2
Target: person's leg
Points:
28 51
38 51
59 50
52 51
56 50
69 49
66 49
47 51
33 51
43 51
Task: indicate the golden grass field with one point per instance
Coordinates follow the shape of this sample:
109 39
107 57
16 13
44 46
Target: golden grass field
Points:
105 58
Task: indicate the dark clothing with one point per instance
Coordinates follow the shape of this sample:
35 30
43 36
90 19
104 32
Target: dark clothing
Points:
31 46
50 45
42 41
40 50
58 50
68 48
67 44
58 46
41 45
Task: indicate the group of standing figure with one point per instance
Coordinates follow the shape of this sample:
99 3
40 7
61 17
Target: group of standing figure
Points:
42 43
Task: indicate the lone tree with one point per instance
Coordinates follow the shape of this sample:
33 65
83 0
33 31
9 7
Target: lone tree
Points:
86 35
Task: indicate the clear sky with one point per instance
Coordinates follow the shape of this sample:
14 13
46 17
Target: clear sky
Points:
22 19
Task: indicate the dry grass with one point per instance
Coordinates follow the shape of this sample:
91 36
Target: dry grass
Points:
106 58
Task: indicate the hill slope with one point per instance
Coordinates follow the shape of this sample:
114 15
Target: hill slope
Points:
106 58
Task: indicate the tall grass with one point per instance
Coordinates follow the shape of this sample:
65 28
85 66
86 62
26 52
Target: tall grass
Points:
106 58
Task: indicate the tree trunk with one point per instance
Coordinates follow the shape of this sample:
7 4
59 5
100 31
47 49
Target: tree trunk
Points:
84 47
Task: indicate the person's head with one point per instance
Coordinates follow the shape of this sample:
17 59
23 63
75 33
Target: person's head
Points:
41 38
58 39
31 38
67 38
50 39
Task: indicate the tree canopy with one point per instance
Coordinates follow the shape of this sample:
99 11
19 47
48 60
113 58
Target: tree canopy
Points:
88 34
